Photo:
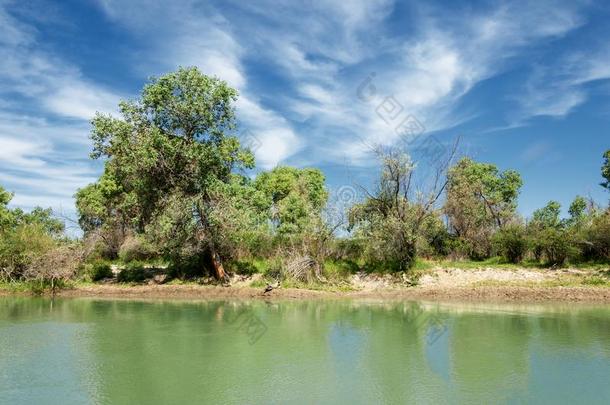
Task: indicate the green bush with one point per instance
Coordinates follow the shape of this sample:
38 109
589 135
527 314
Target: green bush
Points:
189 267
244 267
20 247
133 272
598 237
135 248
557 245
511 243
100 270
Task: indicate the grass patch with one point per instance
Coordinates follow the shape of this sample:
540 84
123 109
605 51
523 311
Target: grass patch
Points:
564 281
35 287
499 263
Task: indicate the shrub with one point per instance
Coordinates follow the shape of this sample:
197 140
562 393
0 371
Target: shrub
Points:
244 267
557 245
100 270
133 272
56 267
135 248
20 247
598 236
511 243
189 266
477 247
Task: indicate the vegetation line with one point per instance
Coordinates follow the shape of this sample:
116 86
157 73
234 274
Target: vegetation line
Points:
177 200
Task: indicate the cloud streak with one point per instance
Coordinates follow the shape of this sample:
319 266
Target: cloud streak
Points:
298 68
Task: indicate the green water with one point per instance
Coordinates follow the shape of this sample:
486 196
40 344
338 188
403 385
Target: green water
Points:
74 351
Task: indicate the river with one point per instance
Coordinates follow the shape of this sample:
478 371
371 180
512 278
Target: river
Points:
81 350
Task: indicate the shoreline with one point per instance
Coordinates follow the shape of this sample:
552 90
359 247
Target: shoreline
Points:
439 284
491 294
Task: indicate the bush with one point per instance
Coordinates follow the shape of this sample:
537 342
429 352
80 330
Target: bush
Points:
100 270
57 267
476 248
189 267
511 243
20 247
133 272
557 245
135 248
244 267
598 237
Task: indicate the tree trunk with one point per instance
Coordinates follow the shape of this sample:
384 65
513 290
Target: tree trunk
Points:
219 270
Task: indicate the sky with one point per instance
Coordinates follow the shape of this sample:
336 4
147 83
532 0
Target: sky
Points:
524 85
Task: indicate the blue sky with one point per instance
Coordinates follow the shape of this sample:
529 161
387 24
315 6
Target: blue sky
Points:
524 84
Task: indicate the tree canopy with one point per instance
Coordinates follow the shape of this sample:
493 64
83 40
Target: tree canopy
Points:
295 196
169 156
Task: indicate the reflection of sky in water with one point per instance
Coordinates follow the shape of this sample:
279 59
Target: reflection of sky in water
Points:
437 349
347 345
86 351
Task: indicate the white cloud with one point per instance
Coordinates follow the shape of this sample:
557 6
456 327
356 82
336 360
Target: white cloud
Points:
21 153
77 99
555 90
204 39
316 55
43 134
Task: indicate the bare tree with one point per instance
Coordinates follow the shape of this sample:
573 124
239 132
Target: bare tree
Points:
392 215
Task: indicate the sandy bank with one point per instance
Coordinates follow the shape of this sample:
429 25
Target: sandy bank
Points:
491 285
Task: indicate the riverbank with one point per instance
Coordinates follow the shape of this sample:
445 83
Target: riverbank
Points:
470 293
439 284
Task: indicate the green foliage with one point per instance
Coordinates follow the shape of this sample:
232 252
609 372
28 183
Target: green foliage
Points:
595 281
100 270
434 239
133 272
597 237
557 245
578 209
6 216
188 267
20 246
480 199
511 242
294 196
136 247
245 267
391 221
606 170
547 217
170 156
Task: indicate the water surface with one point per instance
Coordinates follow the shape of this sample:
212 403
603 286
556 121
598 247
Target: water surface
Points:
74 351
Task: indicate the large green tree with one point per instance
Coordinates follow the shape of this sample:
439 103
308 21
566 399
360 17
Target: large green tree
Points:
480 199
296 197
168 160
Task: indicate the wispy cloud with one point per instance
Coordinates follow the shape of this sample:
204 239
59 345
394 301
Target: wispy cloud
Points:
298 67
555 90
43 119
